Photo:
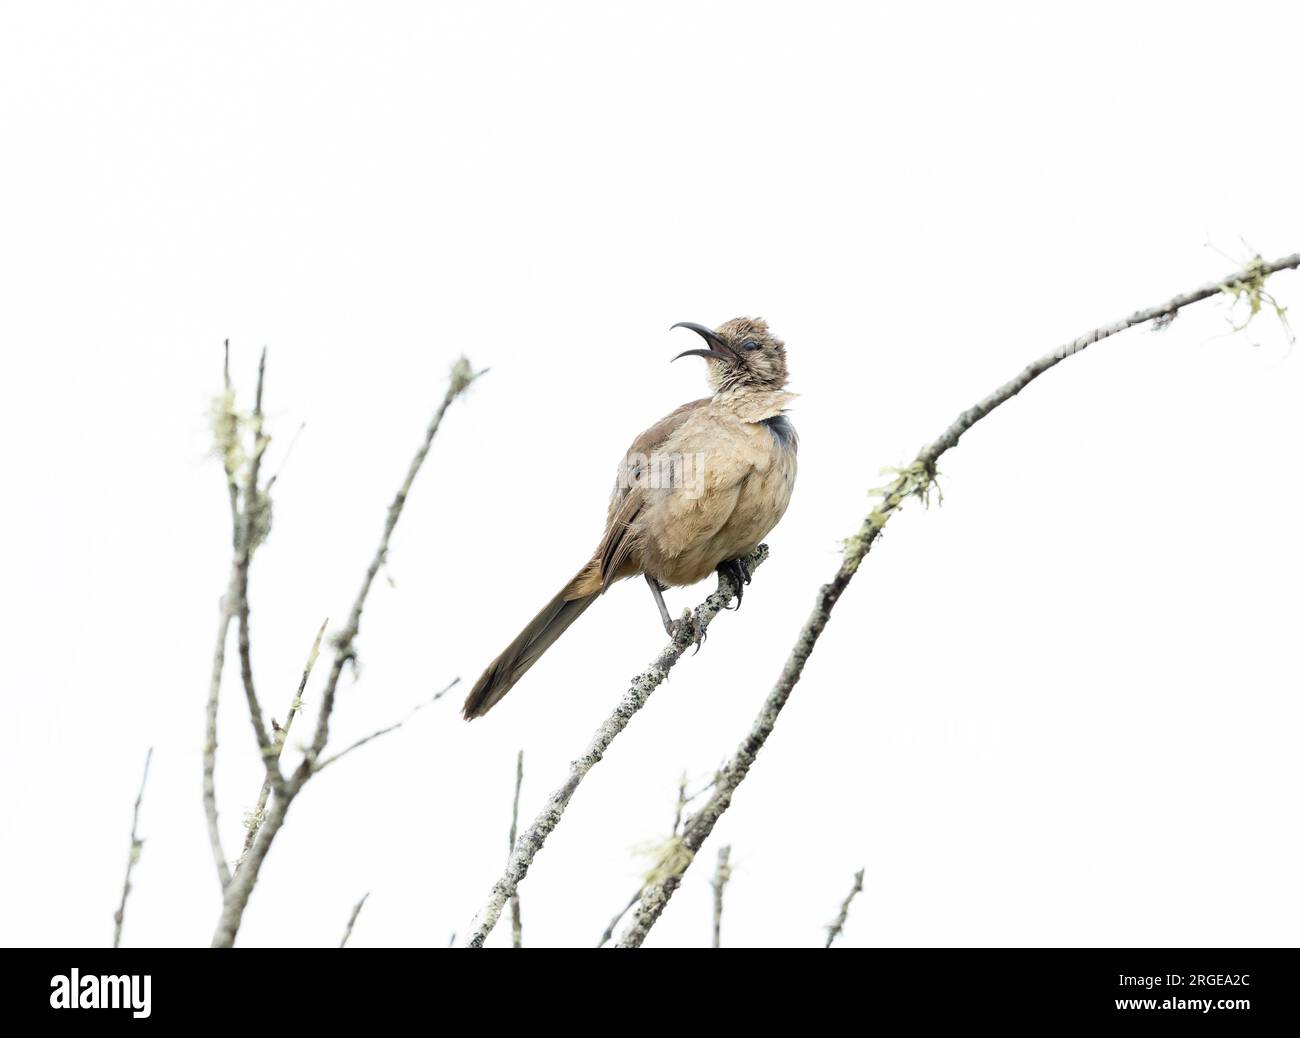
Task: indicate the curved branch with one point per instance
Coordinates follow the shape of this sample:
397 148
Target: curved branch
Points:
914 481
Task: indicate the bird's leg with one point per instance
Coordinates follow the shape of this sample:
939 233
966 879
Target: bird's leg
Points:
696 632
738 573
657 590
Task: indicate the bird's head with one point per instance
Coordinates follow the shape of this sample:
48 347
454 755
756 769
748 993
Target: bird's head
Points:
742 354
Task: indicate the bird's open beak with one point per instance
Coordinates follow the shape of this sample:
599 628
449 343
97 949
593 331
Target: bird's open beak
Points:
718 350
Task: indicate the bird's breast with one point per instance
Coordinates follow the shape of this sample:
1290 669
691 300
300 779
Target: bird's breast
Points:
737 487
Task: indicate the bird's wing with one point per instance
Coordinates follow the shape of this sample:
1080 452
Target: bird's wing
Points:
628 499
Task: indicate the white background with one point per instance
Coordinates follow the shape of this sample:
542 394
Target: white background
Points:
1059 710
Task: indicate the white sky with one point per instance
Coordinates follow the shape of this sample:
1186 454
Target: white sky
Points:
1060 710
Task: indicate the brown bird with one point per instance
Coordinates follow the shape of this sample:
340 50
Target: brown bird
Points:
696 493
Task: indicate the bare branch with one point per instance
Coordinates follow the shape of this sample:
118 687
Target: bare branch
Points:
837 927
720 877
386 729
239 887
915 480
532 839
352 919
253 526
254 822
516 922
133 856
462 377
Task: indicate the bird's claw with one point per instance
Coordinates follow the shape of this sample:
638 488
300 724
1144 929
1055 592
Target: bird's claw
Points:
690 629
738 573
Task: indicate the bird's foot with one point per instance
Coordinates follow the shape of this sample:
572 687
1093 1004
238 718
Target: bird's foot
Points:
690 630
737 572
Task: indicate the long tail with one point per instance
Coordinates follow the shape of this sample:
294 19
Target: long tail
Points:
540 634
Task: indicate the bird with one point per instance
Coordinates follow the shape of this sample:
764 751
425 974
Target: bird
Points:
694 494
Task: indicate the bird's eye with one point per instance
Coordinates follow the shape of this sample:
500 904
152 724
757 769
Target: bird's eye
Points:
750 344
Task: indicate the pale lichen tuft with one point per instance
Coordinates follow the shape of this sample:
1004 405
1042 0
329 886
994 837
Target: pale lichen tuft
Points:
462 374
1251 290
669 859
226 422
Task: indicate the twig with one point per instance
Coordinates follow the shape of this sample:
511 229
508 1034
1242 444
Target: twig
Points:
609 930
914 481
281 735
352 919
837 927
532 839
682 800
462 376
240 886
288 452
133 856
386 729
253 526
720 877
516 922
